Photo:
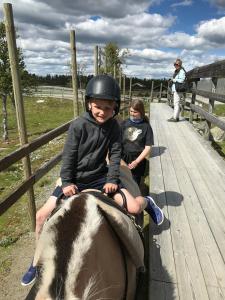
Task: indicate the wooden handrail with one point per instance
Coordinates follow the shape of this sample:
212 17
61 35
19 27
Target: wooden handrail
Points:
12 158
210 95
25 185
209 117
216 69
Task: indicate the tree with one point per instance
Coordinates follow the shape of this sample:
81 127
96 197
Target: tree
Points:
6 89
113 59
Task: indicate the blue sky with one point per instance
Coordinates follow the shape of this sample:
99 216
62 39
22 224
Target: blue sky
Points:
155 33
187 15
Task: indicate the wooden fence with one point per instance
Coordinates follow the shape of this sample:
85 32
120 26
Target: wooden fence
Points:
214 73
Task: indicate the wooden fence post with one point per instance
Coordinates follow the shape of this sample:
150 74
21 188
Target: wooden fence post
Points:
120 79
152 88
160 92
96 60
130 92
114 71
12 48
193 98
211 108
124 92
74 73
105 66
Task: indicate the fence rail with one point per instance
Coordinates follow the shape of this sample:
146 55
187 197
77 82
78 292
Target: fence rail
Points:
214 72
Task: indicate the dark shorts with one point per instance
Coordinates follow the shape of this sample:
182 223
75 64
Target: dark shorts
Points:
97 184
140 169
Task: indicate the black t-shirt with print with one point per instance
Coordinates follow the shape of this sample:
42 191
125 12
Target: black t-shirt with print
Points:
135 136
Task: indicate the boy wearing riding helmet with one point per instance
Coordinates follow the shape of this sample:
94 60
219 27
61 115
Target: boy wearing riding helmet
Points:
90 138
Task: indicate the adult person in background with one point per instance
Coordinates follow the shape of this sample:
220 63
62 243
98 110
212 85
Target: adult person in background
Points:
178 76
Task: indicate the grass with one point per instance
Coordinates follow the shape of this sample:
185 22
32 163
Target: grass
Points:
41 117
219 111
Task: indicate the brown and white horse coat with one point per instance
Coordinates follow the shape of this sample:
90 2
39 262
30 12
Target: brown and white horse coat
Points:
81 255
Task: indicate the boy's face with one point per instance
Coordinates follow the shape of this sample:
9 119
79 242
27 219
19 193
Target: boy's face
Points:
102 110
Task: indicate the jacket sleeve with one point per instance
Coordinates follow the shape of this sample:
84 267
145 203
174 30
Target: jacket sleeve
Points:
70 154
115 147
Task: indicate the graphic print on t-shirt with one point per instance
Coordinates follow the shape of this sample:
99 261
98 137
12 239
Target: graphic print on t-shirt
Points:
131 133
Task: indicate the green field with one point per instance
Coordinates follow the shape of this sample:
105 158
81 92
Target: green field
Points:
41 117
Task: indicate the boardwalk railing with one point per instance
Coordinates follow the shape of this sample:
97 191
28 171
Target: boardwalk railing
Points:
215 74
24 151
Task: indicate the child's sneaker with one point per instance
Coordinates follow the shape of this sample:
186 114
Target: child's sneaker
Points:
154 211
30 276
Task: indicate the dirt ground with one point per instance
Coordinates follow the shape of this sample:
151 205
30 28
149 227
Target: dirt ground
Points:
21 254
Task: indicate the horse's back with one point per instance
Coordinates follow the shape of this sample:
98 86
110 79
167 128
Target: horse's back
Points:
81 255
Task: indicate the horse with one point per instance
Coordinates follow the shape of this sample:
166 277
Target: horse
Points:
88 250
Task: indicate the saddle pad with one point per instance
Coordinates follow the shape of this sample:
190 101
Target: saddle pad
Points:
126 231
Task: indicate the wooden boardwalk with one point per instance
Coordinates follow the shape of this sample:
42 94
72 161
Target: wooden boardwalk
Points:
187 252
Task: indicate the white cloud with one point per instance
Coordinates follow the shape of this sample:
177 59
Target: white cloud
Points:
44 28
182 3
213 31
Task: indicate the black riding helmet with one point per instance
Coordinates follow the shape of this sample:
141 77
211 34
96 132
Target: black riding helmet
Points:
103 87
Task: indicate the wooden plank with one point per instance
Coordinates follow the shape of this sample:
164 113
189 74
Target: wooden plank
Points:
212 263
162 266
191 283
211 197
213 175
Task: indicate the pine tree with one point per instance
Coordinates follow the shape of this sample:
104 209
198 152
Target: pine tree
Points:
6 89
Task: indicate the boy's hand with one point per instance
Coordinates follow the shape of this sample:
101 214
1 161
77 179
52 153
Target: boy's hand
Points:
110 188
70 190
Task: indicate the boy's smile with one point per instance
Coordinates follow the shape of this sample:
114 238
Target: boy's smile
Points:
102 110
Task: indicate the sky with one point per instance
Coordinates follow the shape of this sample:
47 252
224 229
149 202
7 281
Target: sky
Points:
155 33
